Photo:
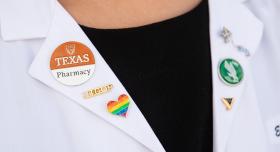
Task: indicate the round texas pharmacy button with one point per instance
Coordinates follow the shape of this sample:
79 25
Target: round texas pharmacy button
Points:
231 72
72 63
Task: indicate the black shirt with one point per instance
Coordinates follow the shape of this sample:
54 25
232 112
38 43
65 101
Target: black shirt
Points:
166 68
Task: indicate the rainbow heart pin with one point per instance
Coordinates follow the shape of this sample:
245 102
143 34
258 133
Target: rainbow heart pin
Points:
119 107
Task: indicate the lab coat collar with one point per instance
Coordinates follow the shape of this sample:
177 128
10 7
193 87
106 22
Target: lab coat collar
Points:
64 29
28 19
246 30
58 27
31 19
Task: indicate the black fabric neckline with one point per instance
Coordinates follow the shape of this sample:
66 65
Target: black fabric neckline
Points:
161 24
166 69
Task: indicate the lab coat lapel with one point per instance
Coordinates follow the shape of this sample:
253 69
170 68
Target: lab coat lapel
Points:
247 31
64 29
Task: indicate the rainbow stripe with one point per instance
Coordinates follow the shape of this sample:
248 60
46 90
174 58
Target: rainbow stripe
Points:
119 107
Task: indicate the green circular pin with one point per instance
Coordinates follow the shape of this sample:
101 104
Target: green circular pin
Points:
231 72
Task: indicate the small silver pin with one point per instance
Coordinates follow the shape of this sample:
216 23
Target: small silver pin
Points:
244 50
227 36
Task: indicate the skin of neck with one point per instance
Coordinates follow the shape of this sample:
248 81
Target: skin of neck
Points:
114 14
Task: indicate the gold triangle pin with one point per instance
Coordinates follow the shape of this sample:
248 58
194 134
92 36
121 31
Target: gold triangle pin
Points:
228 102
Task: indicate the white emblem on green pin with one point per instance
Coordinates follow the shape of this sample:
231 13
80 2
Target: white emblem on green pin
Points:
231 72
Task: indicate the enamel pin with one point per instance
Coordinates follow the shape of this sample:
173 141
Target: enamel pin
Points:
72 63
228 102
230 72
119 107
227 36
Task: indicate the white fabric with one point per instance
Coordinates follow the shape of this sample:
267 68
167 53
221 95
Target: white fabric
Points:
37 113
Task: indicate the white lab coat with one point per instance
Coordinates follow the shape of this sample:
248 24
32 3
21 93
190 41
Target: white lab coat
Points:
39 114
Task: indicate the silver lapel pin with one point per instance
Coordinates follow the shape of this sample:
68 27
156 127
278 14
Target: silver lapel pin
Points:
227 36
